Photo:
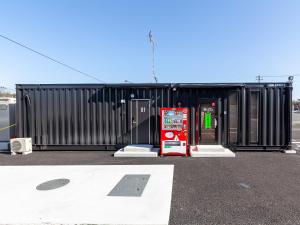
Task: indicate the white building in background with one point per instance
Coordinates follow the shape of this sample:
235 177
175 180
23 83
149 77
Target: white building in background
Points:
7 121
7 100
296 105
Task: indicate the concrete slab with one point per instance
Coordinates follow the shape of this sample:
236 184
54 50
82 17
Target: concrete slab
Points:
84 199
138 148
210 151
290 151
122 153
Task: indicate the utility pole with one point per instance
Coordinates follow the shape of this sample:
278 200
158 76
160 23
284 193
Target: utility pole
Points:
128 81
259 78
153 44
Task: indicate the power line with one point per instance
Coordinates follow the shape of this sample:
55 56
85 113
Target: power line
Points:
52 59
287 75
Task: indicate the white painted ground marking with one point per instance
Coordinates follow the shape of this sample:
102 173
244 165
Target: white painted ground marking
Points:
84 200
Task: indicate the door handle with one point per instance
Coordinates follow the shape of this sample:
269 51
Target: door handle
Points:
133 121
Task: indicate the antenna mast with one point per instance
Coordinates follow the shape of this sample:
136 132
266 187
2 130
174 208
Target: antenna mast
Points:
153 44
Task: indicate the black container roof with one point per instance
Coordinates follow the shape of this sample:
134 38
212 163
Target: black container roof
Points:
156 85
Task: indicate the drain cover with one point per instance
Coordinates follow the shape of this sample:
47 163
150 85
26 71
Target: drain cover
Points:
52 184
131 185
244 185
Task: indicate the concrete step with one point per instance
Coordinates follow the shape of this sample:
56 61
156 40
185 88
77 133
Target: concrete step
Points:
122 153
138 148
210 151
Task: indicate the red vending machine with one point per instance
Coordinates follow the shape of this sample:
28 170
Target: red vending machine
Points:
174 131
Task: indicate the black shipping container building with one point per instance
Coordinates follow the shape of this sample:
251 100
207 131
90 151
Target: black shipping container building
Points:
246 116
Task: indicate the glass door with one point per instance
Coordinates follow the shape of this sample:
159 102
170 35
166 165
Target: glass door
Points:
208 122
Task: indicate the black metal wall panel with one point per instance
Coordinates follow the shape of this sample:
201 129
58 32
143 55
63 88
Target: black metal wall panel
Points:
97 116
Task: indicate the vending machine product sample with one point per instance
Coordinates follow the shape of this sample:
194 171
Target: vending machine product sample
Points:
174 131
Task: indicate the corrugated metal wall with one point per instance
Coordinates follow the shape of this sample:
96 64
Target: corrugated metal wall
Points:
94 115
274 116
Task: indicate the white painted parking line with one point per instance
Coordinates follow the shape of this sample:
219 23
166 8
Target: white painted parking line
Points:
84 199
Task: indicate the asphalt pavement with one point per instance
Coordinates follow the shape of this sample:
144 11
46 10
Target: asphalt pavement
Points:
253 188
260 188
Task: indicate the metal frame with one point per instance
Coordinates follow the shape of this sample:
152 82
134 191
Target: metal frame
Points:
237 92
219 125
138 117
249 141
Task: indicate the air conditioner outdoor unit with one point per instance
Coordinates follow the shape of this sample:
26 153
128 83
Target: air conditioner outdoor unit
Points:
20 145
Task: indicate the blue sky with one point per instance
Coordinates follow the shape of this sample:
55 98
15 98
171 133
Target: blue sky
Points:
197 41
